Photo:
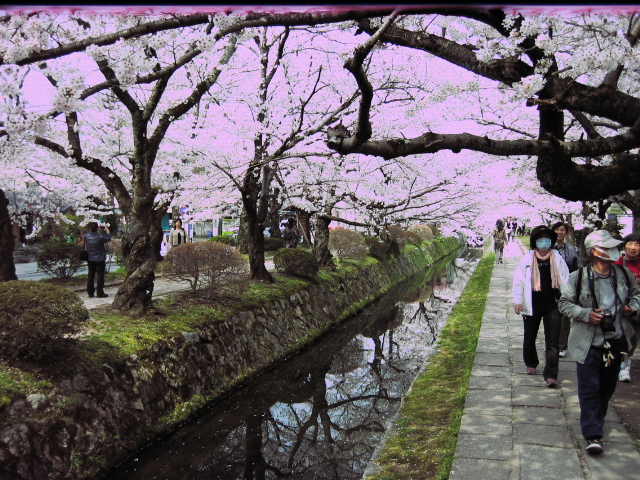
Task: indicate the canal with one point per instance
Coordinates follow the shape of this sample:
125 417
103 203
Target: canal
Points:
321 413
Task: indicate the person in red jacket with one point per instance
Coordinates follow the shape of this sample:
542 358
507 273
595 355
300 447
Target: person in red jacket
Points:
631 260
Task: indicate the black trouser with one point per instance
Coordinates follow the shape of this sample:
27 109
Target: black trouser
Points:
550 317
565 329
96 267
596 385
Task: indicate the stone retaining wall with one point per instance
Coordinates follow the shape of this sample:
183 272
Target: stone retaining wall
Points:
91 421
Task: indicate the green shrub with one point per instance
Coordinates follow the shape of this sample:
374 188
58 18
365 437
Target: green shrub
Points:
34 315
423 231
59 258
296 261
378 249
226 239
204 263
345 243
403 237
271 244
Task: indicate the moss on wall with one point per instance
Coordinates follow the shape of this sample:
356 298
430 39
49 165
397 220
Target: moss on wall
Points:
115 401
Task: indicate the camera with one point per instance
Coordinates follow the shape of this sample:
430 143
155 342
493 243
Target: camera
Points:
607 320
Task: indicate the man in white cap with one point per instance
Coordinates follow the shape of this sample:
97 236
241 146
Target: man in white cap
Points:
599 300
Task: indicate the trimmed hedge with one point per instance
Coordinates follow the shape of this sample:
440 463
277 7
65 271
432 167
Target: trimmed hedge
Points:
378 249
34 315
403 237
207 264
297 262
345 243
226 239
423 231
271 244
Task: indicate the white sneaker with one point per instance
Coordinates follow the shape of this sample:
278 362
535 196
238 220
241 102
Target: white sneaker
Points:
624 375
563 353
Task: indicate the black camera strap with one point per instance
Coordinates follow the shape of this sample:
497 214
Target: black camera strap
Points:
594 300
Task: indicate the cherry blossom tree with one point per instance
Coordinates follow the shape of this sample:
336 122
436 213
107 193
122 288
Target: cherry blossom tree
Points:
283 102
559 86
576 64
117 128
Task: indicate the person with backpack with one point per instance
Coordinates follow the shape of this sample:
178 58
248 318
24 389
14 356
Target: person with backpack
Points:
599 300
536 288
631 260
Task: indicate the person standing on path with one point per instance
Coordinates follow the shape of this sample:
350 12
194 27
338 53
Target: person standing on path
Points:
177 235
600 301
499 236
536 288
572 259
631 260
291 234
95 241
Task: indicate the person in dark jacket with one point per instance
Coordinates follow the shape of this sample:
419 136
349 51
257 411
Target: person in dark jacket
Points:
572 259
95 241
291 234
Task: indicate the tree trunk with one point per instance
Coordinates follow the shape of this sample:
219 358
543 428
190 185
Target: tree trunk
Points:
321 243
157 234
275 205
7 243
255 245
636 221
139 256
243 234
303 222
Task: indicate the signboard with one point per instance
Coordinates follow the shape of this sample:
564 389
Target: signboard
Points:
183 210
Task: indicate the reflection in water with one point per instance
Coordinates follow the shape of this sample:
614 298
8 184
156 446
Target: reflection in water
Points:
321 414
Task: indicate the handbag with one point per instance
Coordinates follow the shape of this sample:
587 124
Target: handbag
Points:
84 254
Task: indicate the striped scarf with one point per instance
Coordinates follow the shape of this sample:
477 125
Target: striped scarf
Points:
535 272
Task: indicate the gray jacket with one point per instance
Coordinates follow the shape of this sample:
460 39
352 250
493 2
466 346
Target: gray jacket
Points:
570 255
582 331
95 245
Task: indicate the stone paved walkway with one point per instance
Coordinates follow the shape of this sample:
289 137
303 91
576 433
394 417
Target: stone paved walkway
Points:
514 427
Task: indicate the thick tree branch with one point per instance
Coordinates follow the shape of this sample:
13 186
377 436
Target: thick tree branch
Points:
355 66
433 142
250 20
108 176
507 71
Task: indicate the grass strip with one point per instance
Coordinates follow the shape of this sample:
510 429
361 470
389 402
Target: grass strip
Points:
424 442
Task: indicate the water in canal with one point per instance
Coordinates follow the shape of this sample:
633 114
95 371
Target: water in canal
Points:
321 414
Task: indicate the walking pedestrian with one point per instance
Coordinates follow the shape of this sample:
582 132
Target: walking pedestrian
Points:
508 226
572 259
95 241
536 288
599 299
631 260
499 236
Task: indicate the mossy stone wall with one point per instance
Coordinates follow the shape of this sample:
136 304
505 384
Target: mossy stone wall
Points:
93 420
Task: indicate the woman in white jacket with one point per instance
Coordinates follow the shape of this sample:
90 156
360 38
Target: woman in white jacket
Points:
536 290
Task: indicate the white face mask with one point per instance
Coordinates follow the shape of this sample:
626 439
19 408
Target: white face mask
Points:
612 254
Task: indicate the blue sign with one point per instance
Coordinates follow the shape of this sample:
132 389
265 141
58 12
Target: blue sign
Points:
183 210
